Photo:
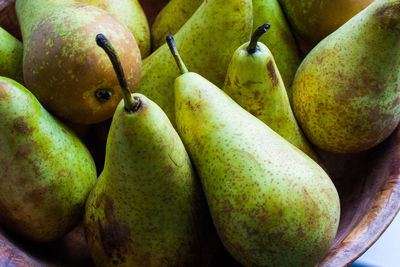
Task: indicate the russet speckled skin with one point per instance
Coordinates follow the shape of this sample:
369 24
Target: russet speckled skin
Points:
171 18
313 20
63 67
147 208
279 39
346 91
270 203
11 53
255 83
206 43
46 173
132 15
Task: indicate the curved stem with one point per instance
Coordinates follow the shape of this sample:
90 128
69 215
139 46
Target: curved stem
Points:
175 53
129 103
252 48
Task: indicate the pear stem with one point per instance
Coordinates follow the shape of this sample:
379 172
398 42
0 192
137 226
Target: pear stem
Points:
175 53
131 105
252 48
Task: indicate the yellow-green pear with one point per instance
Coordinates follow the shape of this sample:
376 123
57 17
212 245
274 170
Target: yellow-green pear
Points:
271 204
346 91
171 18
208 39
280 40
130 13
147 208
313 20
254 82
11 54
46 172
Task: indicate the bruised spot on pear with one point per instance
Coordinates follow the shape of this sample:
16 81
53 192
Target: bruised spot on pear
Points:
21 126
388 15
272 73
113 234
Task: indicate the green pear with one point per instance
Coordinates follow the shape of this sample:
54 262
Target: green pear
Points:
313 20
46 173
346 91
280 39
130 13
171 18
208 39
63 68
271 204
147 208
11 53
254 82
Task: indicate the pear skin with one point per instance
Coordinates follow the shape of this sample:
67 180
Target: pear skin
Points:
313 20
279 40
208 40
131 13
254 82
46 173
271 204
11 54
171 18
346 91
62 65
147 208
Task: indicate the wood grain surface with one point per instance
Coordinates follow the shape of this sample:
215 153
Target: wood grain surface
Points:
368 184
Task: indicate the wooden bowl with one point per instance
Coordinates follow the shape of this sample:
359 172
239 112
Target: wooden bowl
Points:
368 184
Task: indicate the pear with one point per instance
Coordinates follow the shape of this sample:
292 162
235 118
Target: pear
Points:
46 173
346 91
130 13
11 53
254 82
313 20
63 68
147 208
208 39
280 39
171 18
271 204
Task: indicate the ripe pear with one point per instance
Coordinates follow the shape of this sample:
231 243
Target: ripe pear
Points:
280 39
130 13
208 39
147 208
271 204
171 18
11 53
46 173
63 68
313 20
254 82
346 91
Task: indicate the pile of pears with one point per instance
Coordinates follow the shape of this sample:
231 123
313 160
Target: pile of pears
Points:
211 120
